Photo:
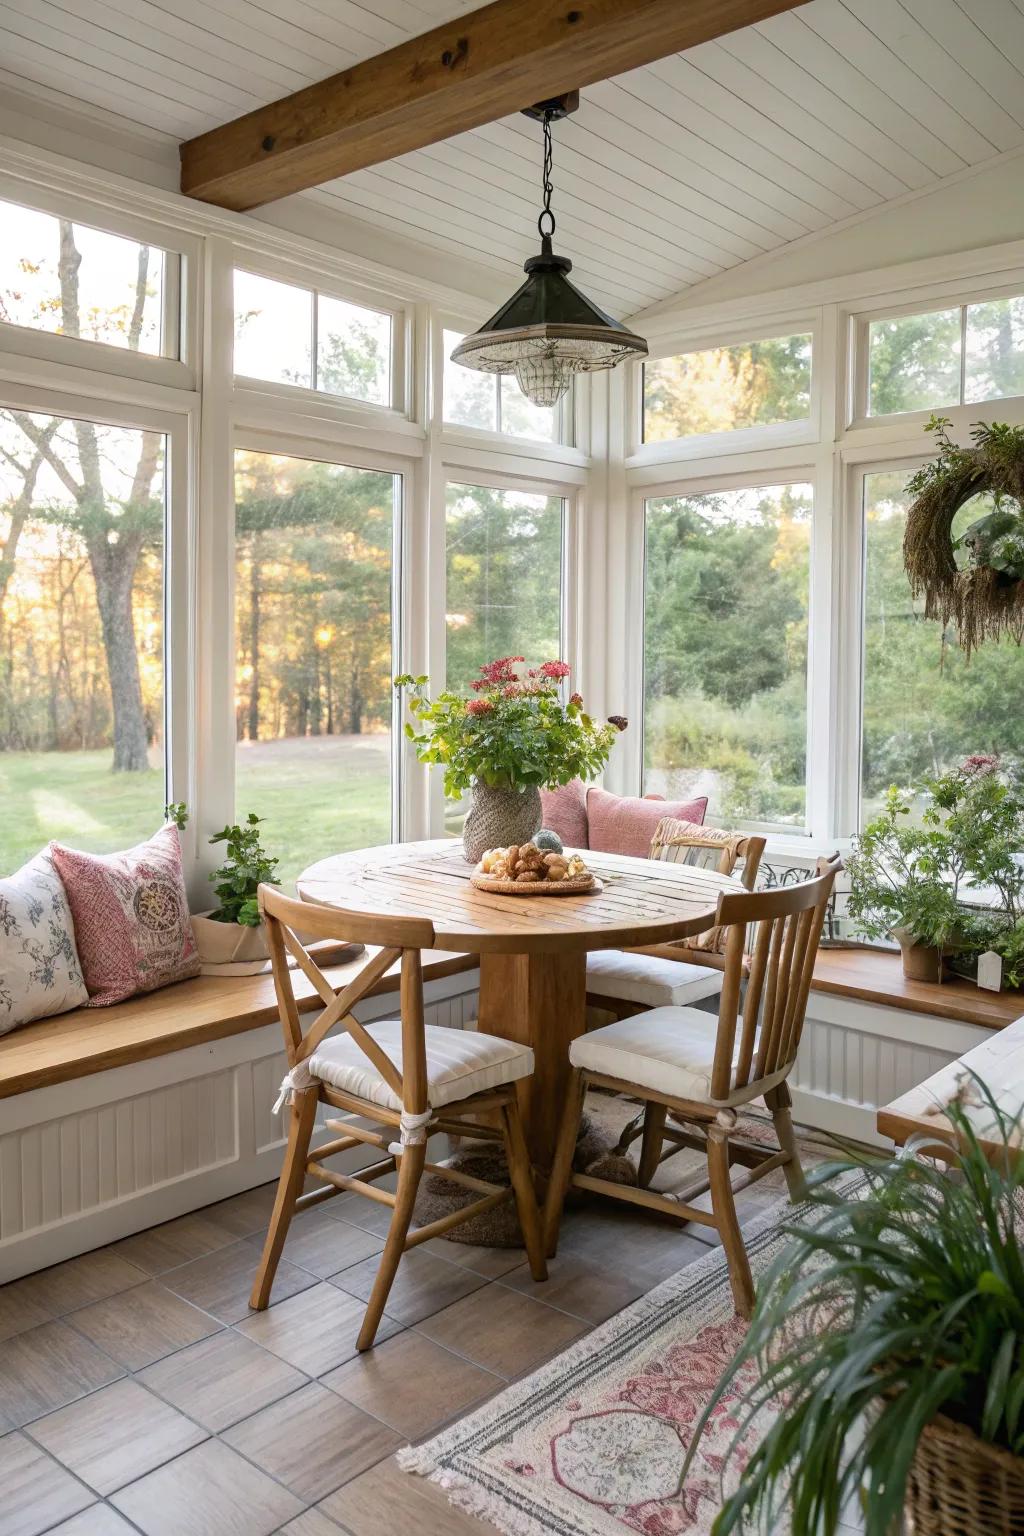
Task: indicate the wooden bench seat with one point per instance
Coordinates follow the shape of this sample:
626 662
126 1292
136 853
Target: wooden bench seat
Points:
88 1040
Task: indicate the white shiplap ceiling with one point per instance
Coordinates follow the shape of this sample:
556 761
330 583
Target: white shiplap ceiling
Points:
665 176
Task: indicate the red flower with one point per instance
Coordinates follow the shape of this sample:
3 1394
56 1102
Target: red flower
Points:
619 721
979 763
556 670
479 707
500 671
577 699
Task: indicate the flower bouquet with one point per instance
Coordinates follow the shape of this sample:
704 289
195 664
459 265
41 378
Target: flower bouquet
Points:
512 738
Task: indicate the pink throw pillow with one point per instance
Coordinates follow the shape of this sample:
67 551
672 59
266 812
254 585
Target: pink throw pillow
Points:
565 812
130 912
625 824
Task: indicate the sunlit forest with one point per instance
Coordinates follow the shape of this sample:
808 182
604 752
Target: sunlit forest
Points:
82 540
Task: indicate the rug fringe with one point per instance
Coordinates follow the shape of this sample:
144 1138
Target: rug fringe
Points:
469 1496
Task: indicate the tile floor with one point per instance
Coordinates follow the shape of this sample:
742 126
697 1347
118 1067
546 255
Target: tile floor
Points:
138 1393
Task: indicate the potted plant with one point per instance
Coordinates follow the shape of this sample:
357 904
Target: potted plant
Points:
913 879
887 1347
512 738
231 933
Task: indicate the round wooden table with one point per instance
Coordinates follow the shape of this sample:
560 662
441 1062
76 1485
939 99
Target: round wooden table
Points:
533 965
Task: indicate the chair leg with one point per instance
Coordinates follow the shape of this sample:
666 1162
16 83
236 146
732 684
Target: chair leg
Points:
521 1175
723 1206
410 1167
289 1188
779 1100
652 1143
561 1168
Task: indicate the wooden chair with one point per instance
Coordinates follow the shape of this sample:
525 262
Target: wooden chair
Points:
622 982
406 1076
703 1069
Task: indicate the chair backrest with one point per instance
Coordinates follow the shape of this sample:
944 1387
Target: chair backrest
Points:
789 922
687 842
402 939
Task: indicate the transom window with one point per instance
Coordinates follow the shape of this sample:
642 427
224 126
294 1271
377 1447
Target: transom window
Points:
69 279
290 335
495 403
945 357
726 602
727 389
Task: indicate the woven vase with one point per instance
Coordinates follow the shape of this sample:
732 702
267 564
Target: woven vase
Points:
962 1486
498 818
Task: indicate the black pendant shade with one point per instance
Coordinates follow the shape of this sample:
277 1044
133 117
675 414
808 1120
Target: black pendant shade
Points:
548 330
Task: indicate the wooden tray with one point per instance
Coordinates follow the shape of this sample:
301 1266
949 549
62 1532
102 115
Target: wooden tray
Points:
579 885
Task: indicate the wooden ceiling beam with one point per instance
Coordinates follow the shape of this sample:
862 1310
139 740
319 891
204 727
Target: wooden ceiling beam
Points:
479 67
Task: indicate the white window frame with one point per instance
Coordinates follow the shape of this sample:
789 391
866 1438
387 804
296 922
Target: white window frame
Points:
740 440
804 472
944 297
461 472
179 589
344 408
252 439
181 298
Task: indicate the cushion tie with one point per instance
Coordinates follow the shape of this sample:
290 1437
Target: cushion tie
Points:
295 1081
412 1131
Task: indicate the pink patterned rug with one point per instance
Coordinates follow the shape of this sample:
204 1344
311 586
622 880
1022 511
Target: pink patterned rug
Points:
592 1444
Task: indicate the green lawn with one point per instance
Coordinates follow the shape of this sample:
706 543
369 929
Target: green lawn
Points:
318 794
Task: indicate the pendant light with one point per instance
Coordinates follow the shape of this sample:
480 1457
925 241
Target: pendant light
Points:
548 330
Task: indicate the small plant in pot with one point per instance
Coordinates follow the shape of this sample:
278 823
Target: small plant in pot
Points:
514 737
884 1363
231 934
914 878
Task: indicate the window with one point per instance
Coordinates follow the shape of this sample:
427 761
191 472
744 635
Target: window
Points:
947 357
755 384
494 402
290 335
504 578
60 276
81 634
924 708
725 651
313 603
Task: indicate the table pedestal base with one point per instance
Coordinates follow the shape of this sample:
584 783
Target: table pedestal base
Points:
539 1000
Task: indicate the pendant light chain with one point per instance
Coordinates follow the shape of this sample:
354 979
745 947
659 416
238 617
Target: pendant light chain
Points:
546 234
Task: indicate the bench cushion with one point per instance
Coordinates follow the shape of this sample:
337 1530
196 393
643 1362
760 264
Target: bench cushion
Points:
649 980
460 1062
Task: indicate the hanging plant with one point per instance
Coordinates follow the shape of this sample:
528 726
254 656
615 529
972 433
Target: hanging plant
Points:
983 593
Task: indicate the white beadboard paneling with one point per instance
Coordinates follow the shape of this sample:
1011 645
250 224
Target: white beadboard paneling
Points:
665 176
87 1162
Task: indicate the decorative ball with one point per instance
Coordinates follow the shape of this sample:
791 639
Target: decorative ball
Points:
548 842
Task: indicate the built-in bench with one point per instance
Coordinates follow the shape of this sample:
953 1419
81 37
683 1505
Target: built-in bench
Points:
114 1119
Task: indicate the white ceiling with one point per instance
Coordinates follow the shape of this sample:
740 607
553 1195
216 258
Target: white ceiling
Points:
665 176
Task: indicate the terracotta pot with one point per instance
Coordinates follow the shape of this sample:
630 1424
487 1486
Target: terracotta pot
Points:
229 943
921 962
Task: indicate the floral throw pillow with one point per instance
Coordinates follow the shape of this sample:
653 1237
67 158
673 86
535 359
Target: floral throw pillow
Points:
39 969
131 917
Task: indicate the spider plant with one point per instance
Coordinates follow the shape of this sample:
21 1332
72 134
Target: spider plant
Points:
901 1298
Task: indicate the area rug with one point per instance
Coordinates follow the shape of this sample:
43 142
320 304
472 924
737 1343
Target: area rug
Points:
593 1443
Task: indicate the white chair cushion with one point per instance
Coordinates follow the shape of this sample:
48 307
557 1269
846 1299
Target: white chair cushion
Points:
649 980
460 1062
669 1049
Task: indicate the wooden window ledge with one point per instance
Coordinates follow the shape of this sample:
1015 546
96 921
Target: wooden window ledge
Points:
876 976
88 1040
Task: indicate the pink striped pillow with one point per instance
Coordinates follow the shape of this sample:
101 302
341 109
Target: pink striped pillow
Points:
624 824
130 912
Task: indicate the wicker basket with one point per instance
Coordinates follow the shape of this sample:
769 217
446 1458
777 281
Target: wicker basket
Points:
962 1486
